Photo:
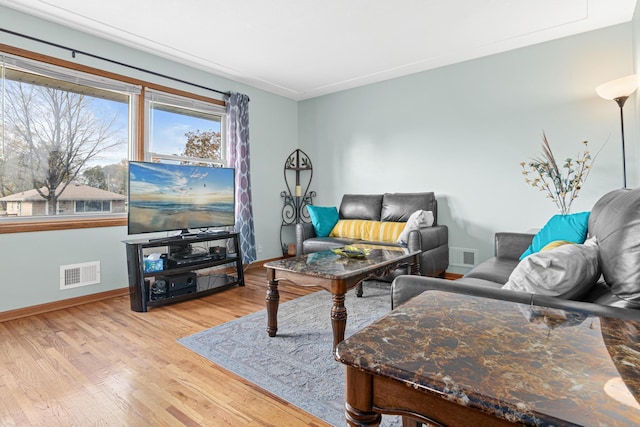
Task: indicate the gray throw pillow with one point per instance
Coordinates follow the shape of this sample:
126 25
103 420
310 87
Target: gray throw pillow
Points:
419 219
567 271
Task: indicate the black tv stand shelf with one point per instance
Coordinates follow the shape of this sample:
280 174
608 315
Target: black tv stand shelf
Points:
188 268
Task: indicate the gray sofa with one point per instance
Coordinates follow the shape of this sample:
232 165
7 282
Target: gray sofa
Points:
614 221
432 242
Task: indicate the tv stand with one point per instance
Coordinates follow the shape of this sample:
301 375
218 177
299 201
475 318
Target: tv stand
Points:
179 278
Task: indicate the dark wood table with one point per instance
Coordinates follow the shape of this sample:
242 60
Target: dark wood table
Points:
456 360
335 274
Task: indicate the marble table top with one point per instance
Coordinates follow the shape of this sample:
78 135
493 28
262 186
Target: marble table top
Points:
532 365
330 265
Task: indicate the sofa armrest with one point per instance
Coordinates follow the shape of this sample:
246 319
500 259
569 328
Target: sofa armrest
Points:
511 245
433 243
428 238
402 286
304 231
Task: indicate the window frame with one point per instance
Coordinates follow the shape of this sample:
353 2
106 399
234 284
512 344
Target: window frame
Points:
136 150
181 103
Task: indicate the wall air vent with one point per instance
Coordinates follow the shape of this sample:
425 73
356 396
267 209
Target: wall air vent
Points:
462 257
75 275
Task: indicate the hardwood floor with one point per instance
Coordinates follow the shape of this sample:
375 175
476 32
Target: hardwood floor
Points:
101 364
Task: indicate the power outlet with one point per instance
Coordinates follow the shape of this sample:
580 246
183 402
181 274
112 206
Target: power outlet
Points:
259 249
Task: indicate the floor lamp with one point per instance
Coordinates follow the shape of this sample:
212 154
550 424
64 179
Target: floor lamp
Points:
619 90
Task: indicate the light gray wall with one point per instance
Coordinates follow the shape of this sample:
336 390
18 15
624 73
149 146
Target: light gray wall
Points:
462 130
30 262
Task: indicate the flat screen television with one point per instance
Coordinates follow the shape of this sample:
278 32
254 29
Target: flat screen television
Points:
168 197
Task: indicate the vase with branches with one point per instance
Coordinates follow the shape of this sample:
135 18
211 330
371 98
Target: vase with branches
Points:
561 183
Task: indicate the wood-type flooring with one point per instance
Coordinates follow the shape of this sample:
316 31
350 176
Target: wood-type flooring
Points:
101 364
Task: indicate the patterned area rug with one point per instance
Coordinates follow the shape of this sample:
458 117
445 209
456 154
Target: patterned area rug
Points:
297 364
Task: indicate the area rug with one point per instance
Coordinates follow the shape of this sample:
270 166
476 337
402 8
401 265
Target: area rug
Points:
297 364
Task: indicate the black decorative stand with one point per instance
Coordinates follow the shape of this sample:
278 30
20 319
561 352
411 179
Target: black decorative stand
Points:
298 173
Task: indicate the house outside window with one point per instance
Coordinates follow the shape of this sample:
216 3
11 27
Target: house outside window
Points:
67 133
61 130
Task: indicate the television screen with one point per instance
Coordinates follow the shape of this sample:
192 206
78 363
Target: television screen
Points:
166 197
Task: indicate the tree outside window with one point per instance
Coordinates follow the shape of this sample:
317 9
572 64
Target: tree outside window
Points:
58 134
66 136
184 130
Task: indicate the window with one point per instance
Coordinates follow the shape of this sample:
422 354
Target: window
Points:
65 140
92 206
184 130
67 132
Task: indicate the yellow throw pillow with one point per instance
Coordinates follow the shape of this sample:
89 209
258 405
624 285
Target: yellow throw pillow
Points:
374 231
386 231
555 244
350 228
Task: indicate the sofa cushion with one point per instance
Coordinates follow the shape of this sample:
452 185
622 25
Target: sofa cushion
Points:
361 206
567 271
494 269
323 219
398 207
616 224
375 231
572 228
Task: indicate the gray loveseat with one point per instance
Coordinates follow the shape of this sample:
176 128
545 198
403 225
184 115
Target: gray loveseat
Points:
614 221
432 242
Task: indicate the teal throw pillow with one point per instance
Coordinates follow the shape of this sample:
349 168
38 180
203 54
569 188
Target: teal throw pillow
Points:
572 228
323 219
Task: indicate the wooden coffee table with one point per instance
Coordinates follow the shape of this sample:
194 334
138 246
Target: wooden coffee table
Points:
449 359
335 274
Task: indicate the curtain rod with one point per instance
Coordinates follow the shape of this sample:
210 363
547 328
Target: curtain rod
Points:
91 55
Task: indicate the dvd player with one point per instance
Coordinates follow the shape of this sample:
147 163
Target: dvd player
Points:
187 261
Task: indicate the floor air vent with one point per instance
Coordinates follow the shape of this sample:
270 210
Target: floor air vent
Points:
462 257
75 275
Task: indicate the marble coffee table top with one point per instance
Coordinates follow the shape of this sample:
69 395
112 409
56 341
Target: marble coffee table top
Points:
329 265
527 364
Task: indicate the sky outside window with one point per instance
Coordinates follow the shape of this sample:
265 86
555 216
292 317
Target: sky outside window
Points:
169 129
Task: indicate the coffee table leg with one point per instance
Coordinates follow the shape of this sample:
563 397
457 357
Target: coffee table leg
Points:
358 418
359 291
338 319
358 399
273 300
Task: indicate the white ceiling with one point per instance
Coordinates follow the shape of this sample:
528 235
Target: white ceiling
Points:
306 48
